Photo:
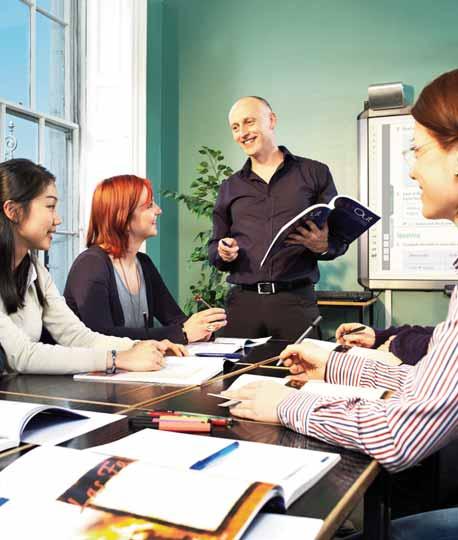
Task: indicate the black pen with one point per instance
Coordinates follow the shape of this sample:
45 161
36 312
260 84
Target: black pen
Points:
145 322
354 331
313 324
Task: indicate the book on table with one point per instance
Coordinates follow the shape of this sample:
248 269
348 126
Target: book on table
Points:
179 371
45 424
319 388
144 484
347 219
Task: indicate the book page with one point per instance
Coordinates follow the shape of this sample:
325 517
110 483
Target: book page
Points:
281 526
179 371
215 347
294 469
243 342
50 429
248 378
183 497
45 473
328 345
320 388
6 444
174 498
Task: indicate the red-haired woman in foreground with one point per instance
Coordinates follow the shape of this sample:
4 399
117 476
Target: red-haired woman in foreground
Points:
115 289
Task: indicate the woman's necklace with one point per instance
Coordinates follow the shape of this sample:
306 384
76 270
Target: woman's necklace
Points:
131 295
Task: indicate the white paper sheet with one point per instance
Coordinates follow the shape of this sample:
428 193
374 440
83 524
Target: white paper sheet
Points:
282 526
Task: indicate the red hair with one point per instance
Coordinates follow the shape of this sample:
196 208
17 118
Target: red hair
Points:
437 109
113 204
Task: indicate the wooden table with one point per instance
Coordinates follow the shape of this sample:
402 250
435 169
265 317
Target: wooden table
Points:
331 499
359 305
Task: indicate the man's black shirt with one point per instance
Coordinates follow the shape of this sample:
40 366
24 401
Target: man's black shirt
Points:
252 211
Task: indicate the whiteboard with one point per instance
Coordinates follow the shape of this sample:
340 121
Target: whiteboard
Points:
403 250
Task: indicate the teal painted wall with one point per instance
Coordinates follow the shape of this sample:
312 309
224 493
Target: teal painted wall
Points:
313 60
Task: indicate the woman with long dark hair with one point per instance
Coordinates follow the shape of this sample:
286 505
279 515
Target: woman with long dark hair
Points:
422 415
116 289
29 300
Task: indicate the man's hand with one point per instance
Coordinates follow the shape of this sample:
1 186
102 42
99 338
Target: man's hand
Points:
313 238
228 249
306 358
364 338
259 400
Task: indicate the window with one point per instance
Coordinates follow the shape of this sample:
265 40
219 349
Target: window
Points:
37 113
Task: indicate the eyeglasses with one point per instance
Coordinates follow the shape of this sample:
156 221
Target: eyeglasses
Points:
412 154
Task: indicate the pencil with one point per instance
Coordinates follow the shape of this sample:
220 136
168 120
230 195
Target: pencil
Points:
198 298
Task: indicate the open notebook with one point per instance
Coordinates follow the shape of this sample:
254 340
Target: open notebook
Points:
315 387
45 424
179 371
116 494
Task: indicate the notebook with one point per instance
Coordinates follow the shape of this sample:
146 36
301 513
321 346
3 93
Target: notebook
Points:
179 371
320 388
46 424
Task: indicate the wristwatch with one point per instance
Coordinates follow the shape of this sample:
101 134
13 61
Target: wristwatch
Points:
112 369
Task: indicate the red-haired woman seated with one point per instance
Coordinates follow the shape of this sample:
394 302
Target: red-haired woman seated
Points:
115 289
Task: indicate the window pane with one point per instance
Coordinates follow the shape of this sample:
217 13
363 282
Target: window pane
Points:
14 51
59 259
56 160
21 138
56 7
57 157
50 66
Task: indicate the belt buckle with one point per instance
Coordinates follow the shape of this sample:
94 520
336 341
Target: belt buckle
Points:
266 287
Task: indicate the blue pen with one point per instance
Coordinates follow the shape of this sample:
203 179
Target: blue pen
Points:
202 463
234 356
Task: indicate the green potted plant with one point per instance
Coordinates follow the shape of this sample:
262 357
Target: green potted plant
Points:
211 285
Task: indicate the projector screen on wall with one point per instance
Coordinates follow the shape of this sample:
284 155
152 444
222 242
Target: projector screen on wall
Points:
403 250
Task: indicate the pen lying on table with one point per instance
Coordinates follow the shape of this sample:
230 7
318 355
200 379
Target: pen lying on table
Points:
230 356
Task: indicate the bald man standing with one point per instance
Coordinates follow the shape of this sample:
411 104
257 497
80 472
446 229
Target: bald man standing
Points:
252 205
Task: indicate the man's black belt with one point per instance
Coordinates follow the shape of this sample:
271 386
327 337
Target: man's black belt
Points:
272 287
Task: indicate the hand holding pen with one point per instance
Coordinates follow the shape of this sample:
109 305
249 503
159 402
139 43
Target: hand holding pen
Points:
228 249
307 332
355 334
201 325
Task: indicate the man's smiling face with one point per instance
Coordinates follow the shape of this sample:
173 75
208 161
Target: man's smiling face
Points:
252 124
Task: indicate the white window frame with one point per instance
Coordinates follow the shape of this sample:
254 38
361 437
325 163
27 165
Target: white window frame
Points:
30 113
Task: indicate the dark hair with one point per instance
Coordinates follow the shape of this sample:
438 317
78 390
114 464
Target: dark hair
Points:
262 100
21 181
437 109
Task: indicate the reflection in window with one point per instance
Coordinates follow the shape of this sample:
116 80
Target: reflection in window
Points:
14 52
50 66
